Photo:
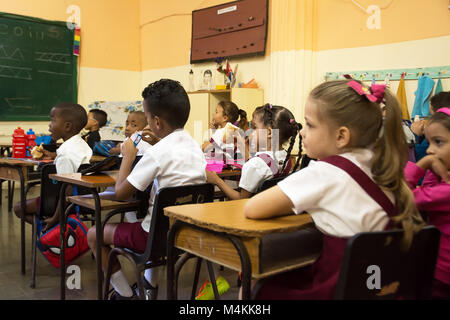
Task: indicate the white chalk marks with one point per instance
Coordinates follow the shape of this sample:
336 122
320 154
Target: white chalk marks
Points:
62 58
11 54
15 72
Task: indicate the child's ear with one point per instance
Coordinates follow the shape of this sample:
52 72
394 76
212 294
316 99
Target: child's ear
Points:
342 137
68 126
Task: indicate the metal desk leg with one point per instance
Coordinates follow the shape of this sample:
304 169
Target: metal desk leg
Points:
99 236
245 265
22 220
171 260
62 240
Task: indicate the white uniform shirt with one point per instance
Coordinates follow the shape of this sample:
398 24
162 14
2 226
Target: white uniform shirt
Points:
227 148
255 171
71 154
336 202
175 160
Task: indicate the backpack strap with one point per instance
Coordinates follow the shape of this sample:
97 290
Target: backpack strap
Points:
271 163
372 189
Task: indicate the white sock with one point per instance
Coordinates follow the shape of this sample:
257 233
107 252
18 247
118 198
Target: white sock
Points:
151 275
120 284
131 216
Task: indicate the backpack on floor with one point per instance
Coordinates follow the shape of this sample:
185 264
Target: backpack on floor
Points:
76 241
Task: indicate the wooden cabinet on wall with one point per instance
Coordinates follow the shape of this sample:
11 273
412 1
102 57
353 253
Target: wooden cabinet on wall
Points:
203 105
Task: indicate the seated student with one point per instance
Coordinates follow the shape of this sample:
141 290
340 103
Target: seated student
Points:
67 120
227 113
136 122
96 119
440 100
174 161
433 196
272 127
343 120
268 123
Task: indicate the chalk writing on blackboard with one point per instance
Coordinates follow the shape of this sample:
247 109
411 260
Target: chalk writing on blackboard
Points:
15 55
54 57
15 72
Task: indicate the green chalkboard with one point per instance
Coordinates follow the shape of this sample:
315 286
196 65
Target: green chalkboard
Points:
37 67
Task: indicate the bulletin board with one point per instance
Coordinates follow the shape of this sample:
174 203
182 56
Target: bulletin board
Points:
229 30
37 67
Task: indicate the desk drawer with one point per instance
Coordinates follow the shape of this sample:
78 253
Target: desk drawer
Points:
217 249
8 173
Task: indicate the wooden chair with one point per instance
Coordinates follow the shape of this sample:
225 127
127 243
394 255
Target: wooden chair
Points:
403 274
156 249
377 256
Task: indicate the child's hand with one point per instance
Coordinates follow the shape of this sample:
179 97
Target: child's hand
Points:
435 164
148 136
418 127
48 155
211 177
128 149
115 150
50 222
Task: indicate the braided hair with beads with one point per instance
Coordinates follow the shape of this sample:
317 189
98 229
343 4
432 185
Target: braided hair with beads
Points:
280 118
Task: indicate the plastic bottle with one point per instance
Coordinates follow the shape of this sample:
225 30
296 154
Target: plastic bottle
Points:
191 81
31 142
19 142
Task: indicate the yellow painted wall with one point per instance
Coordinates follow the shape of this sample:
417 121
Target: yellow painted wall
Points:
110 37
110 61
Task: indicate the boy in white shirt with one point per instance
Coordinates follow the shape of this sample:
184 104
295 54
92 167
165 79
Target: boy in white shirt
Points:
175 160
67 120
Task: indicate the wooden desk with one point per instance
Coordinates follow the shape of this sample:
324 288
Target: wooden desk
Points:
230 173
97 202
219 232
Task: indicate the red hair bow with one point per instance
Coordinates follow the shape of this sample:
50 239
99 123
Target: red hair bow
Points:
375 93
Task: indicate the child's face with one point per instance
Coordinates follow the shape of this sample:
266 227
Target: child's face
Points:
219 119
134 123
259 137
319 140
439 138
57 126
91 121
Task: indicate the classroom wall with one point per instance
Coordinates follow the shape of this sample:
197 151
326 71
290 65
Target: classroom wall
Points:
110 59
128 44
307 38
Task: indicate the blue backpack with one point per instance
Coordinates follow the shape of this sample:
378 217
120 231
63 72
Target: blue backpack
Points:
102 147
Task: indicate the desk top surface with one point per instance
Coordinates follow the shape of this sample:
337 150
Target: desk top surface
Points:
104 179
22 162
228 216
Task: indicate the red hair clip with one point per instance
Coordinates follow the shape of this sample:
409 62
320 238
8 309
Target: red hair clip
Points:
375 93
444 110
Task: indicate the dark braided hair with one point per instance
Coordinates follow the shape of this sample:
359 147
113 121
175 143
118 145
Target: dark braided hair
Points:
231 110
278 117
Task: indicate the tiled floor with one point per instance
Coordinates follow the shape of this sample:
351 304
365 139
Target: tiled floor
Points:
14 285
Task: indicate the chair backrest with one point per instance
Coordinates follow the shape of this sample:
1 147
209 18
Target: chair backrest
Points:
266 184
374 266
171 196
50 190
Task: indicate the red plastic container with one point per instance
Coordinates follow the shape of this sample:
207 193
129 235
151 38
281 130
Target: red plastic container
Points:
19 143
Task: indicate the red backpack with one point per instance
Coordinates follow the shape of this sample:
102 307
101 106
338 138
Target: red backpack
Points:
75 238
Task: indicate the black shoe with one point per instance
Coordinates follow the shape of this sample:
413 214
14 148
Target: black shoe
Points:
150 292
116 296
